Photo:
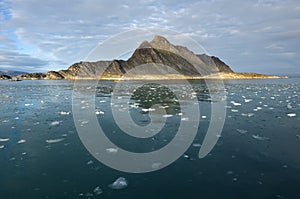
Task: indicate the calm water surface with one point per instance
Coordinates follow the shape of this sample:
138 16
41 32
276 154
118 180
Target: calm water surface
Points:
257 156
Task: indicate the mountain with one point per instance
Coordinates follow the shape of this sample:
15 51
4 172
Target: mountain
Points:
12 72
149 61
157 53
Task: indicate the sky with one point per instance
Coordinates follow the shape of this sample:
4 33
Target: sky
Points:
260 36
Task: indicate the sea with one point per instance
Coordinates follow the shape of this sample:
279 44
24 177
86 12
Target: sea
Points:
257 154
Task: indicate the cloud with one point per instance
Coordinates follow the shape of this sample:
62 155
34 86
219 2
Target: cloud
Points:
59 33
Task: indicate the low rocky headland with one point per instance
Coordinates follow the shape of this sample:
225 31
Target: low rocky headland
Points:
157 53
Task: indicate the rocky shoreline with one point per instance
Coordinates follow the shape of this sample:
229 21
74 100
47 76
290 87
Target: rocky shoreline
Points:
221 75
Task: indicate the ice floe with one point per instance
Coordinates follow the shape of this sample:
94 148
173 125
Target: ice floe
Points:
119 183
248 100
235 103
55 140
89 162
241 131
1 147
55 123
156 165
97 190
291 114
64 113
99 113
4 139
196 144
21 141
257 137
168 115
112 150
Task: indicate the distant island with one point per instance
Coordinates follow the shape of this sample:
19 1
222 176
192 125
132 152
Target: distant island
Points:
158 52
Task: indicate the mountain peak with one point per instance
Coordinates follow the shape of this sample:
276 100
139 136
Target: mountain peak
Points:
145 44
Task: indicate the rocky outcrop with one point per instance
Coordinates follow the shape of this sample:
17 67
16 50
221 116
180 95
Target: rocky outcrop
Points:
32 76
2 77
54 75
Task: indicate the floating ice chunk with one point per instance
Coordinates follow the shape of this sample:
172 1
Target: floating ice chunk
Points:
291 114
185 119
16 118
112 150
4 139
89 162
28 104
156 165
55 123
1 147
229 172
235 103
196 144
98 190
64 113
120 183
186 156
241 131
148 109
167 115
258 108
248 100
99 113
21 141
257 137
55 140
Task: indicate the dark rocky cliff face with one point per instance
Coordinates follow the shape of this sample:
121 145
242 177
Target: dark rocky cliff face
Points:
32 76
4 76
215 61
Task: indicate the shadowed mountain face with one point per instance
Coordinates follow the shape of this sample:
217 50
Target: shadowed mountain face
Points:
156 53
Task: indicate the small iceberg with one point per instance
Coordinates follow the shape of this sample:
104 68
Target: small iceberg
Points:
64 113
257 137
148 109
112 150
241 131
54 140
168 115
291 114
4 139
196 145
55 123
99 113
120 183
97 191
21 141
